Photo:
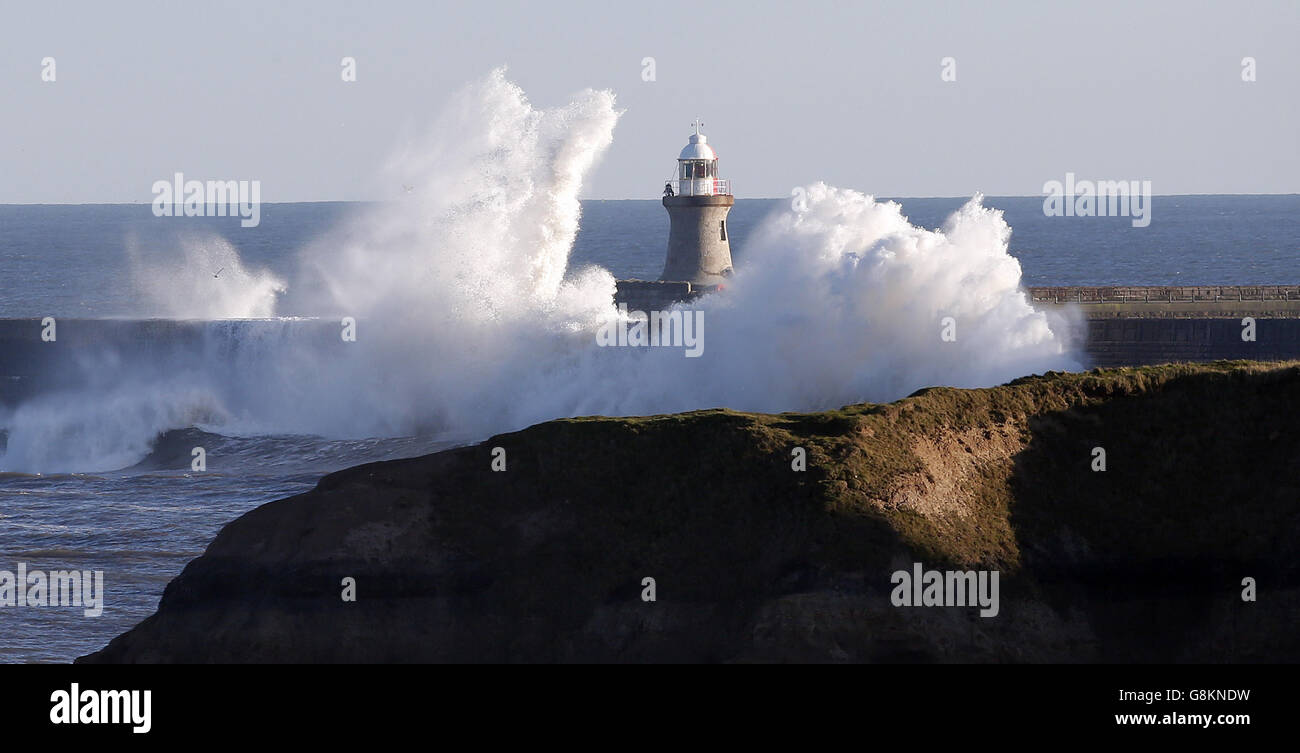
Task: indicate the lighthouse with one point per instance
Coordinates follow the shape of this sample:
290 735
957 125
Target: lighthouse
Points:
698 250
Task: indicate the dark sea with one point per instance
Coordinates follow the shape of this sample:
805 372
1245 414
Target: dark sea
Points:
142 523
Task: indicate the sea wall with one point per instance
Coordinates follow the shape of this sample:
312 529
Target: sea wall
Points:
1123 326
36 358
655 295
1135 325
1117 326
1132 341
1282 299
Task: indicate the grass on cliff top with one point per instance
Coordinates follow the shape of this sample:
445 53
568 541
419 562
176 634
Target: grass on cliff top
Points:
1198 455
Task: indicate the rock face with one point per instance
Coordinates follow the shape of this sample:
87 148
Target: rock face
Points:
755 561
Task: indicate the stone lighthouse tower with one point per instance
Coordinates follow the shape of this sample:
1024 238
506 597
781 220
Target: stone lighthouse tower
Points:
698 250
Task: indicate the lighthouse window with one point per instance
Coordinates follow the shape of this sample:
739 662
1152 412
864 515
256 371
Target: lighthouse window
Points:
698 169
722 226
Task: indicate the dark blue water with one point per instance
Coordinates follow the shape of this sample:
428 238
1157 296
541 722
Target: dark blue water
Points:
141 525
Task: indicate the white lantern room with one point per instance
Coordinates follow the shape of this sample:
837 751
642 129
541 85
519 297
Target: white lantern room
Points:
697 168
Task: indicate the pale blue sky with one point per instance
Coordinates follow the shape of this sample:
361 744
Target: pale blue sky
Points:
849 93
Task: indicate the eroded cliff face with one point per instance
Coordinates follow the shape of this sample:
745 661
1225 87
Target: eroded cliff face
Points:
755 561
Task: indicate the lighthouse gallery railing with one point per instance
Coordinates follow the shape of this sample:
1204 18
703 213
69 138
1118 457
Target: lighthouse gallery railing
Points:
721 187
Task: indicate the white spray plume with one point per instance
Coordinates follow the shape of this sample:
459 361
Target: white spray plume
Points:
844 300
469 321
203 277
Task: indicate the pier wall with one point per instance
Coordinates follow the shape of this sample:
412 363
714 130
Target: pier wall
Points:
653 295
1122 326
90 352
1140 325
1117 326
1136 341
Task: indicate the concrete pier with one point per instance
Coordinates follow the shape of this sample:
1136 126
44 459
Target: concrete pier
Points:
1119 326
1140 325
658 295
99 352
1273 301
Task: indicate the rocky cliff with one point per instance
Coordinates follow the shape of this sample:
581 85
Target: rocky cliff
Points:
755 561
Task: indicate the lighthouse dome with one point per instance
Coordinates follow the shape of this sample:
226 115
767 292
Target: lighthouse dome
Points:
698 149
